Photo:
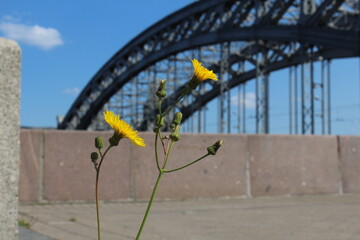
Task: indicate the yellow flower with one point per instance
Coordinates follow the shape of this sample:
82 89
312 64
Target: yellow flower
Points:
201 73
122 130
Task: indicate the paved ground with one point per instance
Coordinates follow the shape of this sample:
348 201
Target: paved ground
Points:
275 218
28 234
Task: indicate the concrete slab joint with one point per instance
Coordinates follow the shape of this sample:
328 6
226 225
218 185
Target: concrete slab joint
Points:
9 137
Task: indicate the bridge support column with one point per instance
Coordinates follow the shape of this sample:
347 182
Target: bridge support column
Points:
242 108
262 96
326 104
293 100
262 104
9 137
224 104
307 98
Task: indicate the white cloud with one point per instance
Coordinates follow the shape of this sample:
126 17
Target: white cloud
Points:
250 100
71 91
44 38
9 18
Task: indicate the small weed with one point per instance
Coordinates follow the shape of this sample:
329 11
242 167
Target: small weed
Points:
72 219
23 223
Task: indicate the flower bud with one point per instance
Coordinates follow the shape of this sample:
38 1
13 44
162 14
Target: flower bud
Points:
213 148
175 134
177 118
99 142
160 121
94 156
161 92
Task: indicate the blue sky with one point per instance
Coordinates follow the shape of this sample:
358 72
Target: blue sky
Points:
64 43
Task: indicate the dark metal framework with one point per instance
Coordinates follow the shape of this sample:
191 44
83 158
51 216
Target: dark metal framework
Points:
241 40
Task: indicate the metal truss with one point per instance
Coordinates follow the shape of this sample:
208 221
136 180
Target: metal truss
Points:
241 41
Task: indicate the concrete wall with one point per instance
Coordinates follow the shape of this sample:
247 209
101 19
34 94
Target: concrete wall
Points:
56 166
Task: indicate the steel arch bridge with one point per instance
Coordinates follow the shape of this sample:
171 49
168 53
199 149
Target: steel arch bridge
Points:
240 40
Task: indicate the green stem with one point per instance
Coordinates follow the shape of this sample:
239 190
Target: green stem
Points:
177 169
162 142
159 106
97 203
156 151
161 172
168 110
158 134
149 205
167 155
97 190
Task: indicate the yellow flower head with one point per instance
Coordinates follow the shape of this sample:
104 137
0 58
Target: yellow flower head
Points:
122 129
201 73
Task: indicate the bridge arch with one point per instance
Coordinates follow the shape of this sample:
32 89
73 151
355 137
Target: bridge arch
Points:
253 37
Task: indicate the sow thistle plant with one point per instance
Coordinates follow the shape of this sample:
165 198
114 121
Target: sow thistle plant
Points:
124 130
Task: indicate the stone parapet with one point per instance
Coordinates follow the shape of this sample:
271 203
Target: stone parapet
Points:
56 166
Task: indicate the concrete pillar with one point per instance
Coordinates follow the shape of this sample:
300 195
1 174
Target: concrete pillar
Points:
9 137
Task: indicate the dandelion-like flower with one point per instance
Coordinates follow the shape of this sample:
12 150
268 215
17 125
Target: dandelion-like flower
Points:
200 74
122 130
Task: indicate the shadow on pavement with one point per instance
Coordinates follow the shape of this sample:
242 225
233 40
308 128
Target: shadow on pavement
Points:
28 234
